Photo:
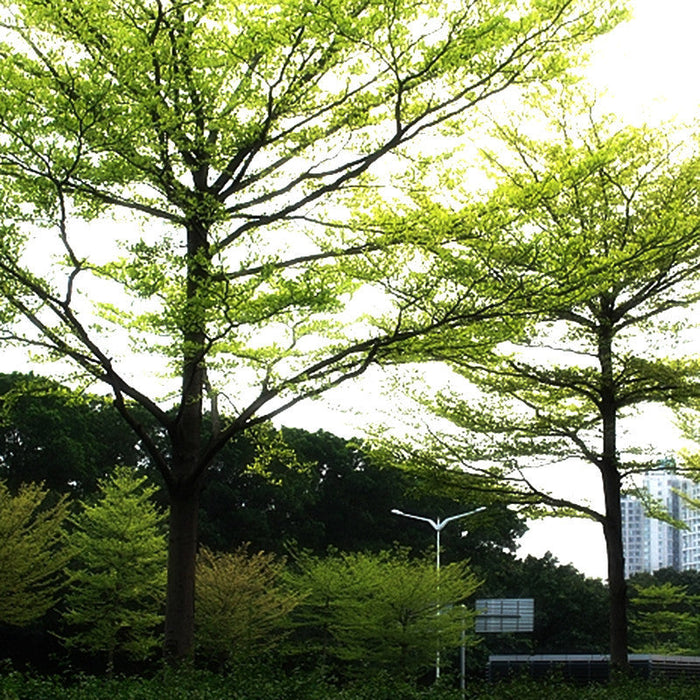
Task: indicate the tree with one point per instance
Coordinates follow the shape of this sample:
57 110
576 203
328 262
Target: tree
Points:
606 220
664 620
230 136
63 438
242 610
688 580
33 553
333 492
570 609
117 583
665 611
378 611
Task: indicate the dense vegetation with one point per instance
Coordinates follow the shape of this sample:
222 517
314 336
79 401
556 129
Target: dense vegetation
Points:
317 512
263 599
267 685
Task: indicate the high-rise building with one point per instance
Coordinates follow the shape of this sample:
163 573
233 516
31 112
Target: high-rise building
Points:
651 544
691 537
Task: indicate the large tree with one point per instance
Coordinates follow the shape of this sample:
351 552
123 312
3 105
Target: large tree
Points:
608 222
223 133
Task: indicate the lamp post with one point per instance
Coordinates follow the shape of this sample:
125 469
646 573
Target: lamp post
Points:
437 525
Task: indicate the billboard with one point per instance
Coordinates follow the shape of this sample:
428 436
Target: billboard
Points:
501 615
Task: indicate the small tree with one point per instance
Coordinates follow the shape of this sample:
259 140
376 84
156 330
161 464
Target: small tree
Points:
664 619
380 611
241 608
32 553
117 588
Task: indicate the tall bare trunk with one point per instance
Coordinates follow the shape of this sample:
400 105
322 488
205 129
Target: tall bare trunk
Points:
182 551
187 470
612 526
617 586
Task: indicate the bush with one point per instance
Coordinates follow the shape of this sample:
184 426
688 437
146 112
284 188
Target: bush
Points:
364 613
241 611
263 683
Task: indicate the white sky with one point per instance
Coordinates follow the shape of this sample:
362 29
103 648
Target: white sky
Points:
648 69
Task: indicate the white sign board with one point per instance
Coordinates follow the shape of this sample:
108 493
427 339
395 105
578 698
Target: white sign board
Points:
498 615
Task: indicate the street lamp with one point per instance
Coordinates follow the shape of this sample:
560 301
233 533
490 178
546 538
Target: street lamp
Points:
437 525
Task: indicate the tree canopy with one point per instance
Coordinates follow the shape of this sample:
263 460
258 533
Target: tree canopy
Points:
230 140
64 438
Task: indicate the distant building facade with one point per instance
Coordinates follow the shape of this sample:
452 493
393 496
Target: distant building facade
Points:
650 544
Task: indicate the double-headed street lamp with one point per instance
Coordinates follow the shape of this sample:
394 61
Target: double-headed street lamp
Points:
437 525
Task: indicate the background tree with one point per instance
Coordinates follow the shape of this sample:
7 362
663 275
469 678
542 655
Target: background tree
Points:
33 553
335 492
688 579
370 612
571 610
224 133
61 437
117 583
242 610
607 221
665 611
664 620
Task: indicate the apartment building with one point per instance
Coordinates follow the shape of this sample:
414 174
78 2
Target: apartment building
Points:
652 544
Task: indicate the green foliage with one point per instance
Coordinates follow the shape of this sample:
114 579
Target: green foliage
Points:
62 437
33 553
230 122
379 611
263 683
241 609
665 619
333 492
117 582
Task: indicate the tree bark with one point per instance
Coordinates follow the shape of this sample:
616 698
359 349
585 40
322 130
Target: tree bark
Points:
182 552
617 586
609 468
187 469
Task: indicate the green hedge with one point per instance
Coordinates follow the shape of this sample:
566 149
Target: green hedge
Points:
259 685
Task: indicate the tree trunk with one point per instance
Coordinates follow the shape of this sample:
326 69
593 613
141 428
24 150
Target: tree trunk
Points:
610 471
182 552
187 472
617 586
